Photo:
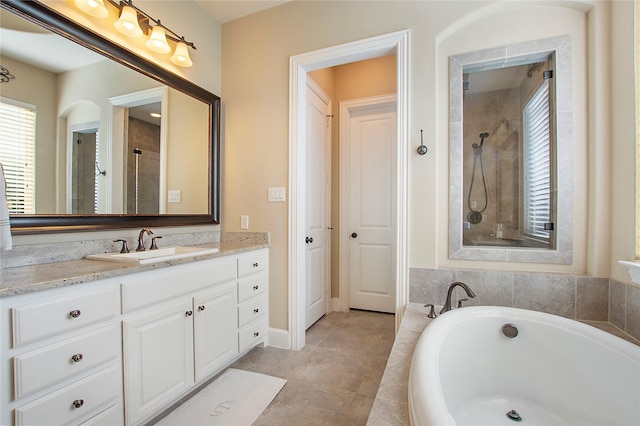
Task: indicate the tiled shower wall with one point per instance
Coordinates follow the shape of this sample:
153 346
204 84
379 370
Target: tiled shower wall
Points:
571 296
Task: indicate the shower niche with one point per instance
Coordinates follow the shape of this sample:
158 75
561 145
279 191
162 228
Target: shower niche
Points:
506 106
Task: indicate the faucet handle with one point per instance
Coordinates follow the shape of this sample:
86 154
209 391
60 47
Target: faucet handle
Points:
125 248
460 302
432 311
153 243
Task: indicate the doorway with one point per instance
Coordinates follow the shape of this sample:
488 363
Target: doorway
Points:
300 65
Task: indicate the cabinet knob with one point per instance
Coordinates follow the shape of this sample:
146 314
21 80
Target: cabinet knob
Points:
188 313
256 334
255 287
75 313
255 265
77 357
201 308
78 403
256 310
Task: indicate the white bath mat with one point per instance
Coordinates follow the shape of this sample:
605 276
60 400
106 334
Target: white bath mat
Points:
236 398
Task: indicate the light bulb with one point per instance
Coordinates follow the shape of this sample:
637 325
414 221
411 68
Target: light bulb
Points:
158 40
94 8
128 23
181 55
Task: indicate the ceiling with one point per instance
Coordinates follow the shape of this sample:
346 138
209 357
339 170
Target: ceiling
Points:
228 10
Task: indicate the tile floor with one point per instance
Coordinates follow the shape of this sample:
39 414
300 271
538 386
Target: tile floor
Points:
333 380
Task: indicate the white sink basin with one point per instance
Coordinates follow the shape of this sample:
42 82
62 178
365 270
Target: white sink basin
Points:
152 256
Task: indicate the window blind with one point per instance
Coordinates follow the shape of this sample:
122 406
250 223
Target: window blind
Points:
537 164
17 154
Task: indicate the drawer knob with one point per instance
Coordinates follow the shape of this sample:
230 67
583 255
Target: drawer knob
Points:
201 308
255 287
256 334
256 310
75 313
78 403
77 357
255 265
188 313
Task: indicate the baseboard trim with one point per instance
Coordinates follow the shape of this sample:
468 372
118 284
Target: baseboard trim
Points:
279 338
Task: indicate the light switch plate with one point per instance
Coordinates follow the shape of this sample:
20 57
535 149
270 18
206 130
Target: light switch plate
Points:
174 196
244 221
277 195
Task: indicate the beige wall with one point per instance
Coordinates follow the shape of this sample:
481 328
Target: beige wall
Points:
255 90
622 146
37 87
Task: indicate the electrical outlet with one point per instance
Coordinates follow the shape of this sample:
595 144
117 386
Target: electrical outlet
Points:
244 221
173 196
474 205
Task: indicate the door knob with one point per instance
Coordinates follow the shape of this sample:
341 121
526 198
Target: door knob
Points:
309 240
354 235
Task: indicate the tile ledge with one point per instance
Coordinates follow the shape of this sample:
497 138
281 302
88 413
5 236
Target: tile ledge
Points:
634 270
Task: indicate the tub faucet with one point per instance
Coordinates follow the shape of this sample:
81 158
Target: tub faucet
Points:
447 303
141 238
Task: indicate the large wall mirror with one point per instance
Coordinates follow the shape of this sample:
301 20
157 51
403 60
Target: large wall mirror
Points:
511 153
106 138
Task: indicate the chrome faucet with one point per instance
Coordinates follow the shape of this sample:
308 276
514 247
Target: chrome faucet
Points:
141 238
447 303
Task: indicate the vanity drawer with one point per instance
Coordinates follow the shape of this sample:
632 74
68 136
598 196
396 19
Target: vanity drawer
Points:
252 286
158 286
251 310
43 367
39 320
73 404
252 262
252 335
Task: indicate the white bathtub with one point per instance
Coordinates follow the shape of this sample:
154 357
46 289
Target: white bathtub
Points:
554 372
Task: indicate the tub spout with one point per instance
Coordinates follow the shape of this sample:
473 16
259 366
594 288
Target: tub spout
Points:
447 303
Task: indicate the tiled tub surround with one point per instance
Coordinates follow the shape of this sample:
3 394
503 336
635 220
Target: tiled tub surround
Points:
587 299
46 266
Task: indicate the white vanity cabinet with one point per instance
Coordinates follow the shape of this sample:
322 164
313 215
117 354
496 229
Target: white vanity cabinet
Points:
180 327
253 304
61 353
121 350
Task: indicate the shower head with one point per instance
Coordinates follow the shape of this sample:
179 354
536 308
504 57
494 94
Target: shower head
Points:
482 136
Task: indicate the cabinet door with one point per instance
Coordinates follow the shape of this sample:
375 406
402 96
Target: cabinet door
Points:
158 357
216 332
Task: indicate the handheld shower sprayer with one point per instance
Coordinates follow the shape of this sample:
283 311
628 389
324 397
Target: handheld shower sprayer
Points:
475 216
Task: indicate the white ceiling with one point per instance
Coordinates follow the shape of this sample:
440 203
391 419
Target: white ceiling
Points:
228 10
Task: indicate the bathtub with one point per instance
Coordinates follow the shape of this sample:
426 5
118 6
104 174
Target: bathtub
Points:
556 371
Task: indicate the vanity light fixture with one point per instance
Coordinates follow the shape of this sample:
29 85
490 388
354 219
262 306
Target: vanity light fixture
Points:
181 55
158 40
95 8
134 22
128 23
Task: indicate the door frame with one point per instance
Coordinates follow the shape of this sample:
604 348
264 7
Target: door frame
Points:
345 184
299 66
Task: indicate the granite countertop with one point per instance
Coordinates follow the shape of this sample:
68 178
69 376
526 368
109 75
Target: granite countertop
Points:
32 278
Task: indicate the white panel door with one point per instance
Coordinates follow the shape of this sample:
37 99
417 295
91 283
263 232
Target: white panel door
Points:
317 238
372 191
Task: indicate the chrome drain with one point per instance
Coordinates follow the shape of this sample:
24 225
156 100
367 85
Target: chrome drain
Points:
513 415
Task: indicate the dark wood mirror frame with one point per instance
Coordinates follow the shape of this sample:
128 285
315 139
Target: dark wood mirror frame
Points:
40 14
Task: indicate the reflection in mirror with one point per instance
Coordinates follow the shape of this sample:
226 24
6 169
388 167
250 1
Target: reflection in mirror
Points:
508 149
95 158
510 135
